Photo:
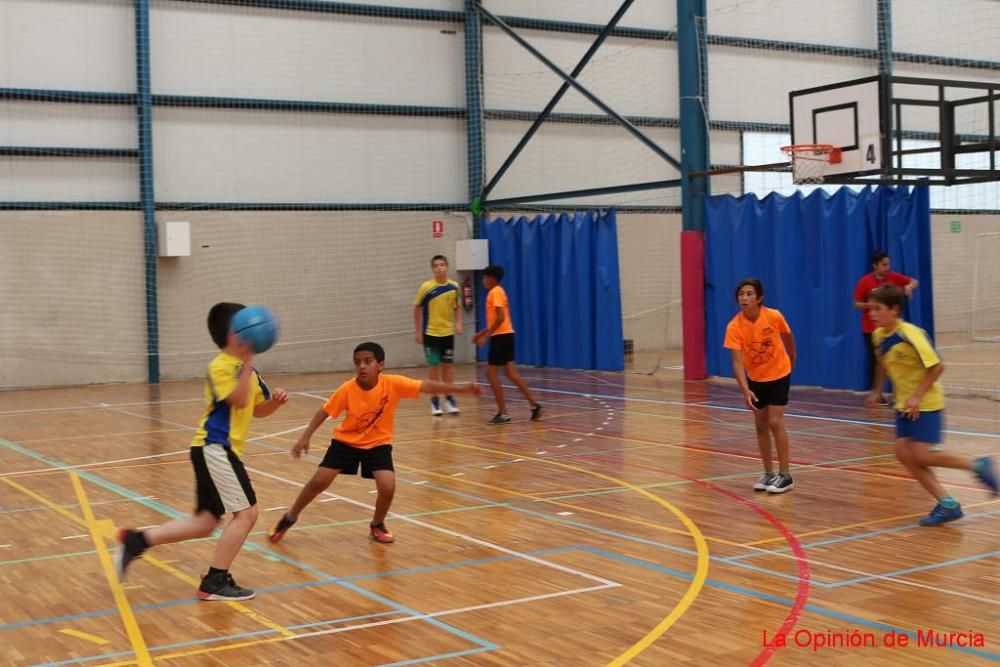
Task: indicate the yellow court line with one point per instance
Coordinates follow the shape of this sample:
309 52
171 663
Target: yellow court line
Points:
701 569
202 651
155 562
858 525
84 635
97 529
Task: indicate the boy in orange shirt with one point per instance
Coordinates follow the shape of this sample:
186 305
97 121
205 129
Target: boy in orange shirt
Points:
363 438
763 357
499 332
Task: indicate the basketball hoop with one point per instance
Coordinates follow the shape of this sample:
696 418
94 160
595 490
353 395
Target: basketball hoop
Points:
810 161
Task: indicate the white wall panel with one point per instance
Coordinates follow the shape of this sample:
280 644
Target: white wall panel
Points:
258 156
245 52
68 44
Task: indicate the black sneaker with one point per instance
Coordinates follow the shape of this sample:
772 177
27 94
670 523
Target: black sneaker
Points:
499 418
222 587
130 546
280 528
536 412
780 483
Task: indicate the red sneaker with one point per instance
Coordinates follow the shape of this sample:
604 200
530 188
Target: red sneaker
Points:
381 534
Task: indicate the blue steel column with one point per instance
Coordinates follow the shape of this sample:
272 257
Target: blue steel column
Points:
474 108
885 37
144 116
692 62
474 130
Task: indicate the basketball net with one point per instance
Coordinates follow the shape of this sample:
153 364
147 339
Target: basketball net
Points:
810 161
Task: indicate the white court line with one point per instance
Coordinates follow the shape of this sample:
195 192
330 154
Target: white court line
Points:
96 463
727 408
446 531
101 405
140 458
71 505
461 610
874 577
592 577
792 556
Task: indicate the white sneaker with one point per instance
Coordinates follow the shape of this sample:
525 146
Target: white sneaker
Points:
450 406
436 407
762 483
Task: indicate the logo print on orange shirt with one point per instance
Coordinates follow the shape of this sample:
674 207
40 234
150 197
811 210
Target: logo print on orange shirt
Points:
370 418
761 352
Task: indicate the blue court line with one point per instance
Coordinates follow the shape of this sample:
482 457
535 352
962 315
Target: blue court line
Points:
252 546
855 536
440 656
286 587
921 568
730 408
856 620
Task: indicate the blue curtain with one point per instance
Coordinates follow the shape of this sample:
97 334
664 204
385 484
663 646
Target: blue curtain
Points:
810 252
561 276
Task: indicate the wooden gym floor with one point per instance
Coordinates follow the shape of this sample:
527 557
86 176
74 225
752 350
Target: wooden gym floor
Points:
620 528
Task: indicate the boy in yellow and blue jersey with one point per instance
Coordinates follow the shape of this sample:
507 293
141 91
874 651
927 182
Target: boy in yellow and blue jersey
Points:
906 353
234 395
436 321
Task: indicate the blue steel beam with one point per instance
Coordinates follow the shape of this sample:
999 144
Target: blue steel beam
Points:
65 151
570 194
555 98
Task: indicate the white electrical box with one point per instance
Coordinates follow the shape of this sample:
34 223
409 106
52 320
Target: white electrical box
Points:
174 239
472 255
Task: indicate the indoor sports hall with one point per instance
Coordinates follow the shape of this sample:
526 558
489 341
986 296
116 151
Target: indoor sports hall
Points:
628 164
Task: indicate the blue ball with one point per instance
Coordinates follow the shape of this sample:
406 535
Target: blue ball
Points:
258 326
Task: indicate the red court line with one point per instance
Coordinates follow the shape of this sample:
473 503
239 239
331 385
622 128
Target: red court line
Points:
801 560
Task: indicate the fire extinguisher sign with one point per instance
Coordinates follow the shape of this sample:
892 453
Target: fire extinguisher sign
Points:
437 229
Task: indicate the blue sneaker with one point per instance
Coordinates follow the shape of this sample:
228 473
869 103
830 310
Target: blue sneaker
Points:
987 474
941 515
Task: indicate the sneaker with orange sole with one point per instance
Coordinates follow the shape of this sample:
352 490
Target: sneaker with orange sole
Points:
379 533
280 528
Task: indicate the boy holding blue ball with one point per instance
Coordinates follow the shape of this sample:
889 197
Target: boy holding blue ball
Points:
234 395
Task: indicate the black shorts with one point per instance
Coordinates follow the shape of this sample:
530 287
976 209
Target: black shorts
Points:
221 481
774 392
501 349
341 456
439 350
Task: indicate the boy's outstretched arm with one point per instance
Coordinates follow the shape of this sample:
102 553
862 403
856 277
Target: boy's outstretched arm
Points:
302 446
435 387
